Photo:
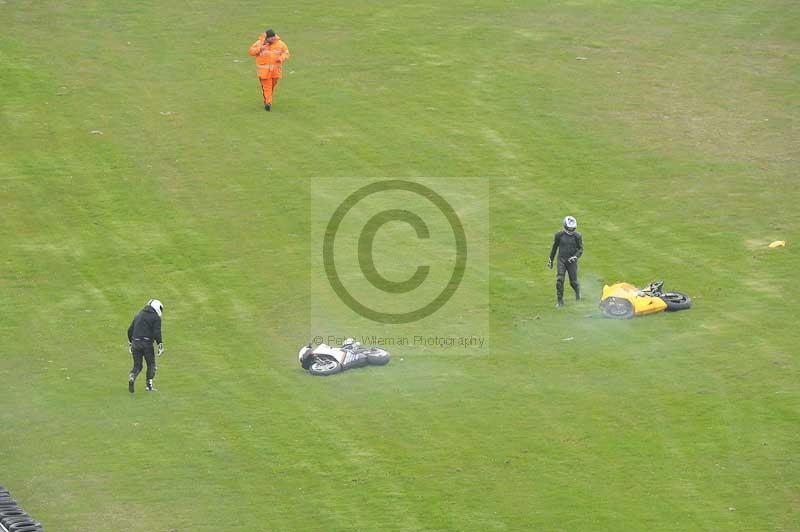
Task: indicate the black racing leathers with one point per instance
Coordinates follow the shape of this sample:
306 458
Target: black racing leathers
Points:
143 352
568 245
146 325
143 331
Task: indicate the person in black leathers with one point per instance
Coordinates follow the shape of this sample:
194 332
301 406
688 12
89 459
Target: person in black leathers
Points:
143 331
569 244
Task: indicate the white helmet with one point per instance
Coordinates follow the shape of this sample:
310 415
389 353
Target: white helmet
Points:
157 306
570 224
303 354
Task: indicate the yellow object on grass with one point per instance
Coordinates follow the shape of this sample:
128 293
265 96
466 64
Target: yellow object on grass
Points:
623 300
640 304
778 244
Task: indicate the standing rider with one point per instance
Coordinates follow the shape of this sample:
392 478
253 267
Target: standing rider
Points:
569 244
143 331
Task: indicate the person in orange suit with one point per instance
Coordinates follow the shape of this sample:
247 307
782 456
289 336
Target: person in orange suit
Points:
270 53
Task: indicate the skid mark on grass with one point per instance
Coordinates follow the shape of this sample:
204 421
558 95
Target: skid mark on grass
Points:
208 266
764 287
197 294
62 249
244 313
755 244
480 77
609 226
503 147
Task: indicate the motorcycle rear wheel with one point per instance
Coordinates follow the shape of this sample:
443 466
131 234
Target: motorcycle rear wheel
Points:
676 301
378 357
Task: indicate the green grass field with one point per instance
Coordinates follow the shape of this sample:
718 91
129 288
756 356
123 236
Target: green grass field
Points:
137 161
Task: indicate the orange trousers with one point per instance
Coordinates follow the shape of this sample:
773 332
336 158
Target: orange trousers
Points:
268 88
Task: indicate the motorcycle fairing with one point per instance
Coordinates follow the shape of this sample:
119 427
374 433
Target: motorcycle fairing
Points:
642 301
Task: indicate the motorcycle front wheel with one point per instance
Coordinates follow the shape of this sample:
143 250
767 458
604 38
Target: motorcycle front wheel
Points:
617 308
324 365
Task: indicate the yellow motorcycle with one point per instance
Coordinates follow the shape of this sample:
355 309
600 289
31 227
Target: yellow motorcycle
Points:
623 300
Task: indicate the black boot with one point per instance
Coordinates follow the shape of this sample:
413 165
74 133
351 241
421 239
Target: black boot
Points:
559 303
268 107
131 379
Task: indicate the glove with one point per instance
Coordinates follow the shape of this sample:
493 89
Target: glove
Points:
572 259
549 264
160 349
130 348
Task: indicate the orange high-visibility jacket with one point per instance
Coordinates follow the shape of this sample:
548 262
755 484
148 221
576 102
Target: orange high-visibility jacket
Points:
269 57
